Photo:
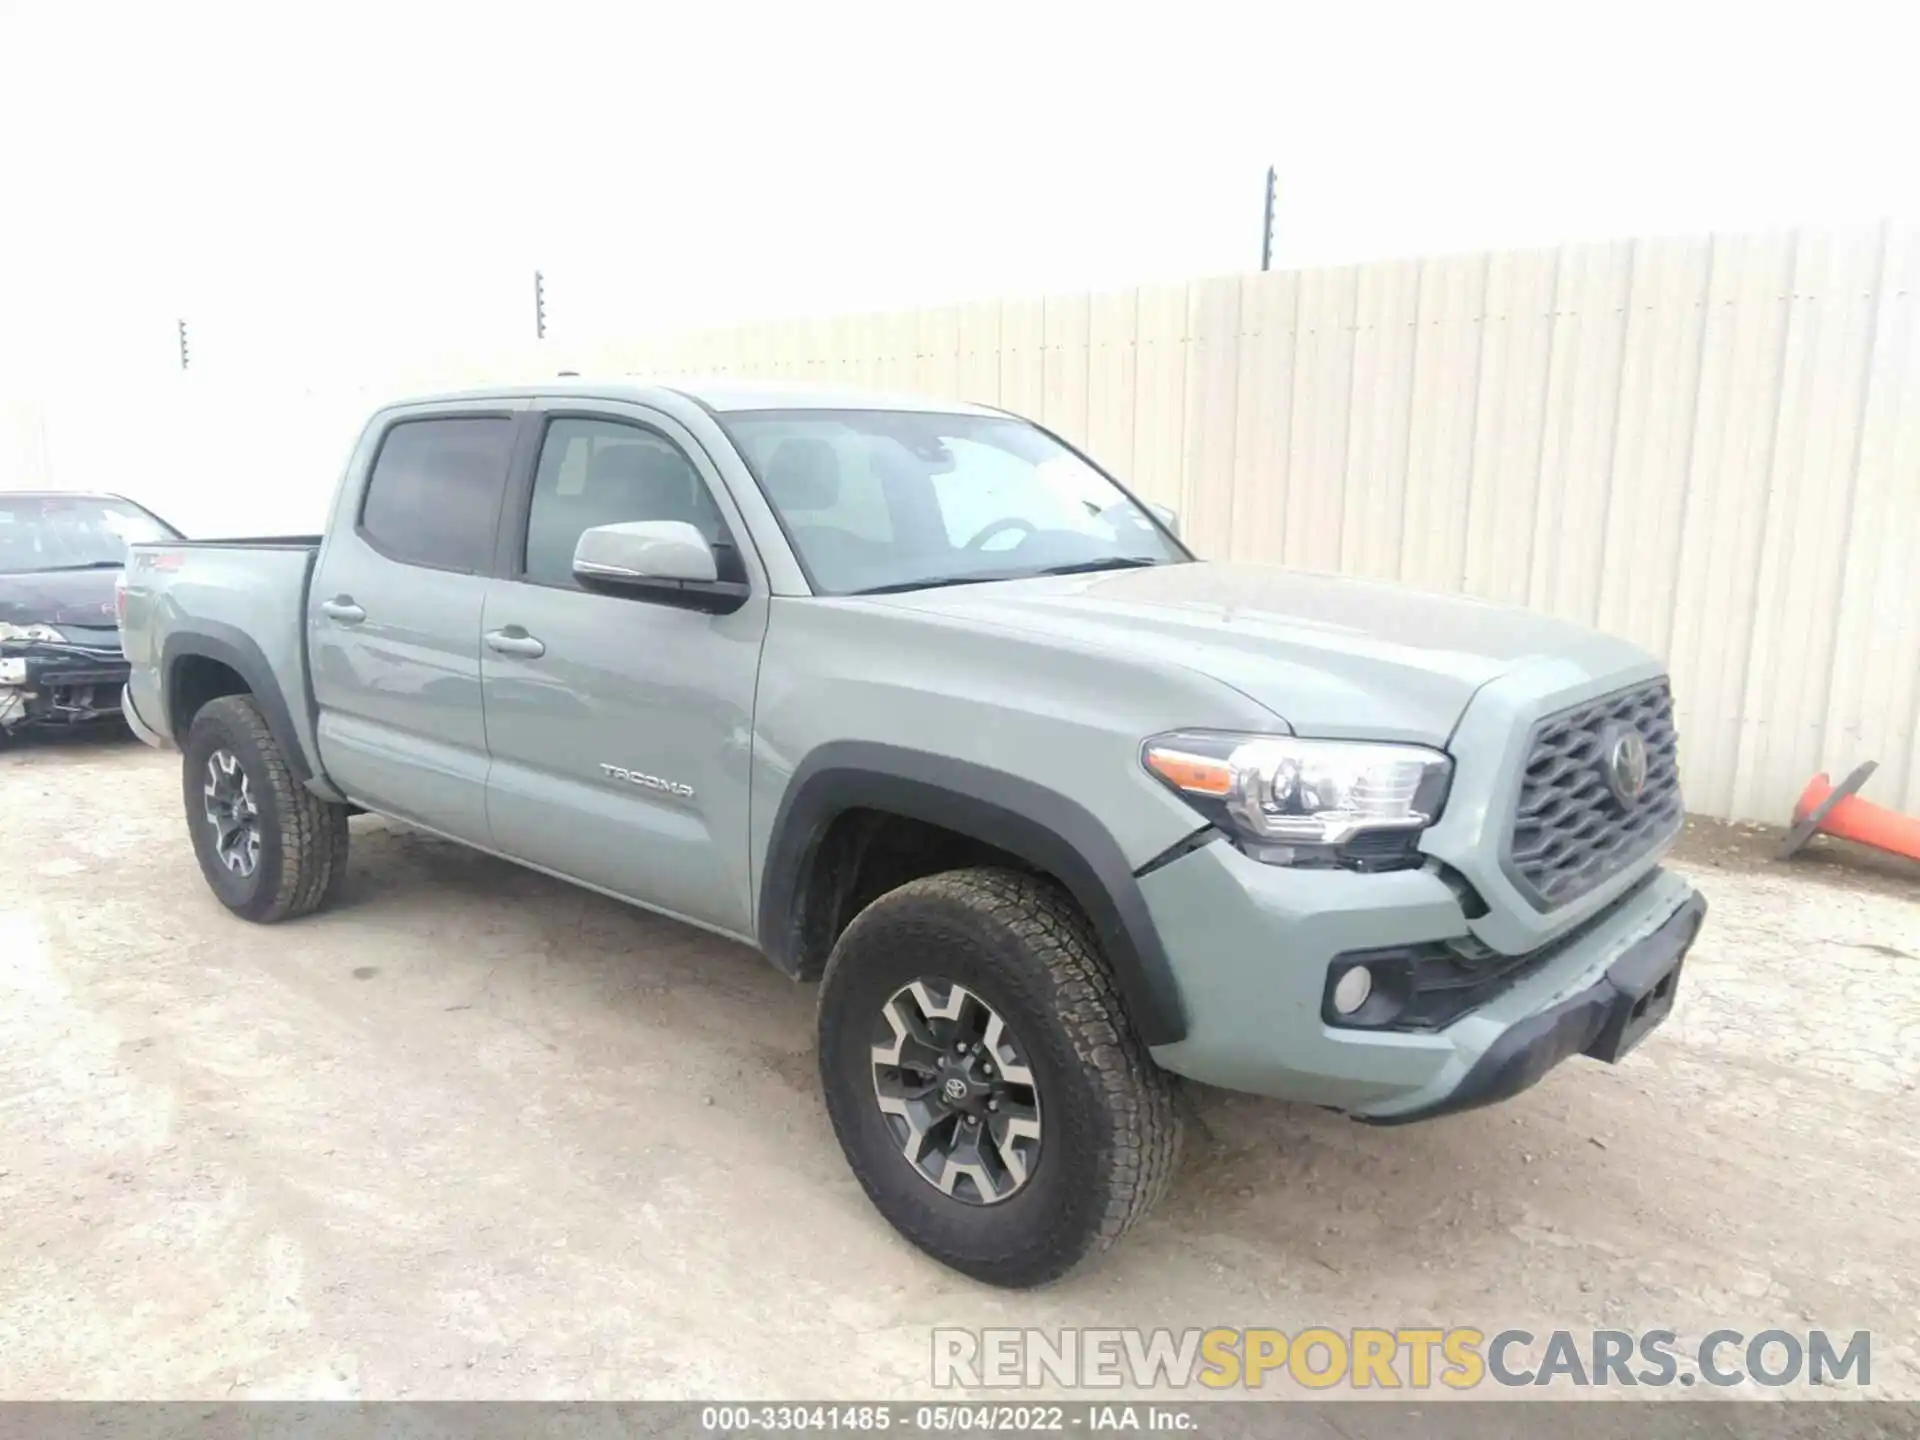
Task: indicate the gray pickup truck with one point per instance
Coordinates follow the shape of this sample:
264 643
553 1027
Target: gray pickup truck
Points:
920 702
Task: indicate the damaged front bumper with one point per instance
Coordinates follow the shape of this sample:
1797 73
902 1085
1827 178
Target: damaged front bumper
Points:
48 684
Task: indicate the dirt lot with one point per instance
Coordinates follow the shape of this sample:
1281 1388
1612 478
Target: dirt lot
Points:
477 1134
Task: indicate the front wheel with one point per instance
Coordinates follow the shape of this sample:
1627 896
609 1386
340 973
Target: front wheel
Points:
984 1079
269 847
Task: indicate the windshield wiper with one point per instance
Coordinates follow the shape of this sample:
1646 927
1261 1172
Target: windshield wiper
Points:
1112 562
982 577
936 582
83 565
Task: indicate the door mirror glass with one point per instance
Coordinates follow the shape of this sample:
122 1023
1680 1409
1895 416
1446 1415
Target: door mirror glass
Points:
1168 517
638 553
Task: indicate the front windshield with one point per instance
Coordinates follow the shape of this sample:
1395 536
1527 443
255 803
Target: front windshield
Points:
71 532
879 500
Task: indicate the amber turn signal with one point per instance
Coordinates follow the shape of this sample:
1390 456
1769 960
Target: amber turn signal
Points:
1195 774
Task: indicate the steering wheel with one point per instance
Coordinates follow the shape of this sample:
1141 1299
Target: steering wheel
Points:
1010 522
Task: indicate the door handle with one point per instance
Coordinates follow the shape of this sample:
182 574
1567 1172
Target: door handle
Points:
515 641
342 608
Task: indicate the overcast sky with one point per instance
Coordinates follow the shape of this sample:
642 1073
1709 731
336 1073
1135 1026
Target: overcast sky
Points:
310 183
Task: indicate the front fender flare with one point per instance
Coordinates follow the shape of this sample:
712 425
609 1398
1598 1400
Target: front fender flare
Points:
1041 827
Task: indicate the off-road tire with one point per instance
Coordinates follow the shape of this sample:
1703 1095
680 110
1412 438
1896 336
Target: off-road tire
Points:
1111 1134
303 839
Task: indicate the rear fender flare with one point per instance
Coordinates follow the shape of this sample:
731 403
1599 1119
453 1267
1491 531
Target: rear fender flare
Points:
238 652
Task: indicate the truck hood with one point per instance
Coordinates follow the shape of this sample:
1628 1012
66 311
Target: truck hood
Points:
1330 655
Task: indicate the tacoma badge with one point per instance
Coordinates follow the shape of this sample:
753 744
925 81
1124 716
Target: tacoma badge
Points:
650 782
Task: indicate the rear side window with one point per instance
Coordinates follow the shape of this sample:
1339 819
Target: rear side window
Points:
435 491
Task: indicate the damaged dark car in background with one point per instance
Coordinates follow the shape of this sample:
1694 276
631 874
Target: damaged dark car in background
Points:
60 561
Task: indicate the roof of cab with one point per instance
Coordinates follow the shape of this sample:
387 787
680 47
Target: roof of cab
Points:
719 393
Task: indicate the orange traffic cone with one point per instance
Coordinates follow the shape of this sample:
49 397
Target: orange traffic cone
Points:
1838 810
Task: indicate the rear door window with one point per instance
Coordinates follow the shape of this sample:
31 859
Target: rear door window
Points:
434 496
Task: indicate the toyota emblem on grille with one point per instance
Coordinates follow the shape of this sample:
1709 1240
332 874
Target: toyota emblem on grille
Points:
1626 760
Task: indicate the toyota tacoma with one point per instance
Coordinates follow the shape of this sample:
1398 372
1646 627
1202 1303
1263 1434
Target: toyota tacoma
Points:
925 705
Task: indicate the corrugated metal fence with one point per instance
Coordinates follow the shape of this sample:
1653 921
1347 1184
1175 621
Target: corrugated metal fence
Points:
1711 446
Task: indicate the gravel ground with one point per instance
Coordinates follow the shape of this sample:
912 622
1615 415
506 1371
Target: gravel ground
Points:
477 1134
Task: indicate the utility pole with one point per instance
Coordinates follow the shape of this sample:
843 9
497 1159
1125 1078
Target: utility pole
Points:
539 306
1266 234
183 344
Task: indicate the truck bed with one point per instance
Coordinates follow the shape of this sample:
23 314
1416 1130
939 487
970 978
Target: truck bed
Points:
242 602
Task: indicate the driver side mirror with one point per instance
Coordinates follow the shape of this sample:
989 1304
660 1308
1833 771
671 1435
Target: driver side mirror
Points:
1168 517
667 561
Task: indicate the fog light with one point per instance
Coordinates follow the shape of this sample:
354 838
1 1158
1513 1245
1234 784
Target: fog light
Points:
1350 991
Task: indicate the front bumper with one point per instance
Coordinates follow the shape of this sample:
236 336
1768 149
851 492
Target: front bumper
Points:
1604 1021
1252 944
48 685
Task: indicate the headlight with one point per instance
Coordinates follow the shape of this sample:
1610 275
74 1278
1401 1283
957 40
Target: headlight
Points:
31 632
1293 802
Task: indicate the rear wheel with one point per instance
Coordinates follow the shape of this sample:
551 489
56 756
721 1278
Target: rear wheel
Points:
270 848
984 1079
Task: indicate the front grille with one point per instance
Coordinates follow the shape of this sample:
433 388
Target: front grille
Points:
1571 831
70 679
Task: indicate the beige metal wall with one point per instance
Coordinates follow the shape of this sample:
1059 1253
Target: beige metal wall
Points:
1709 445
